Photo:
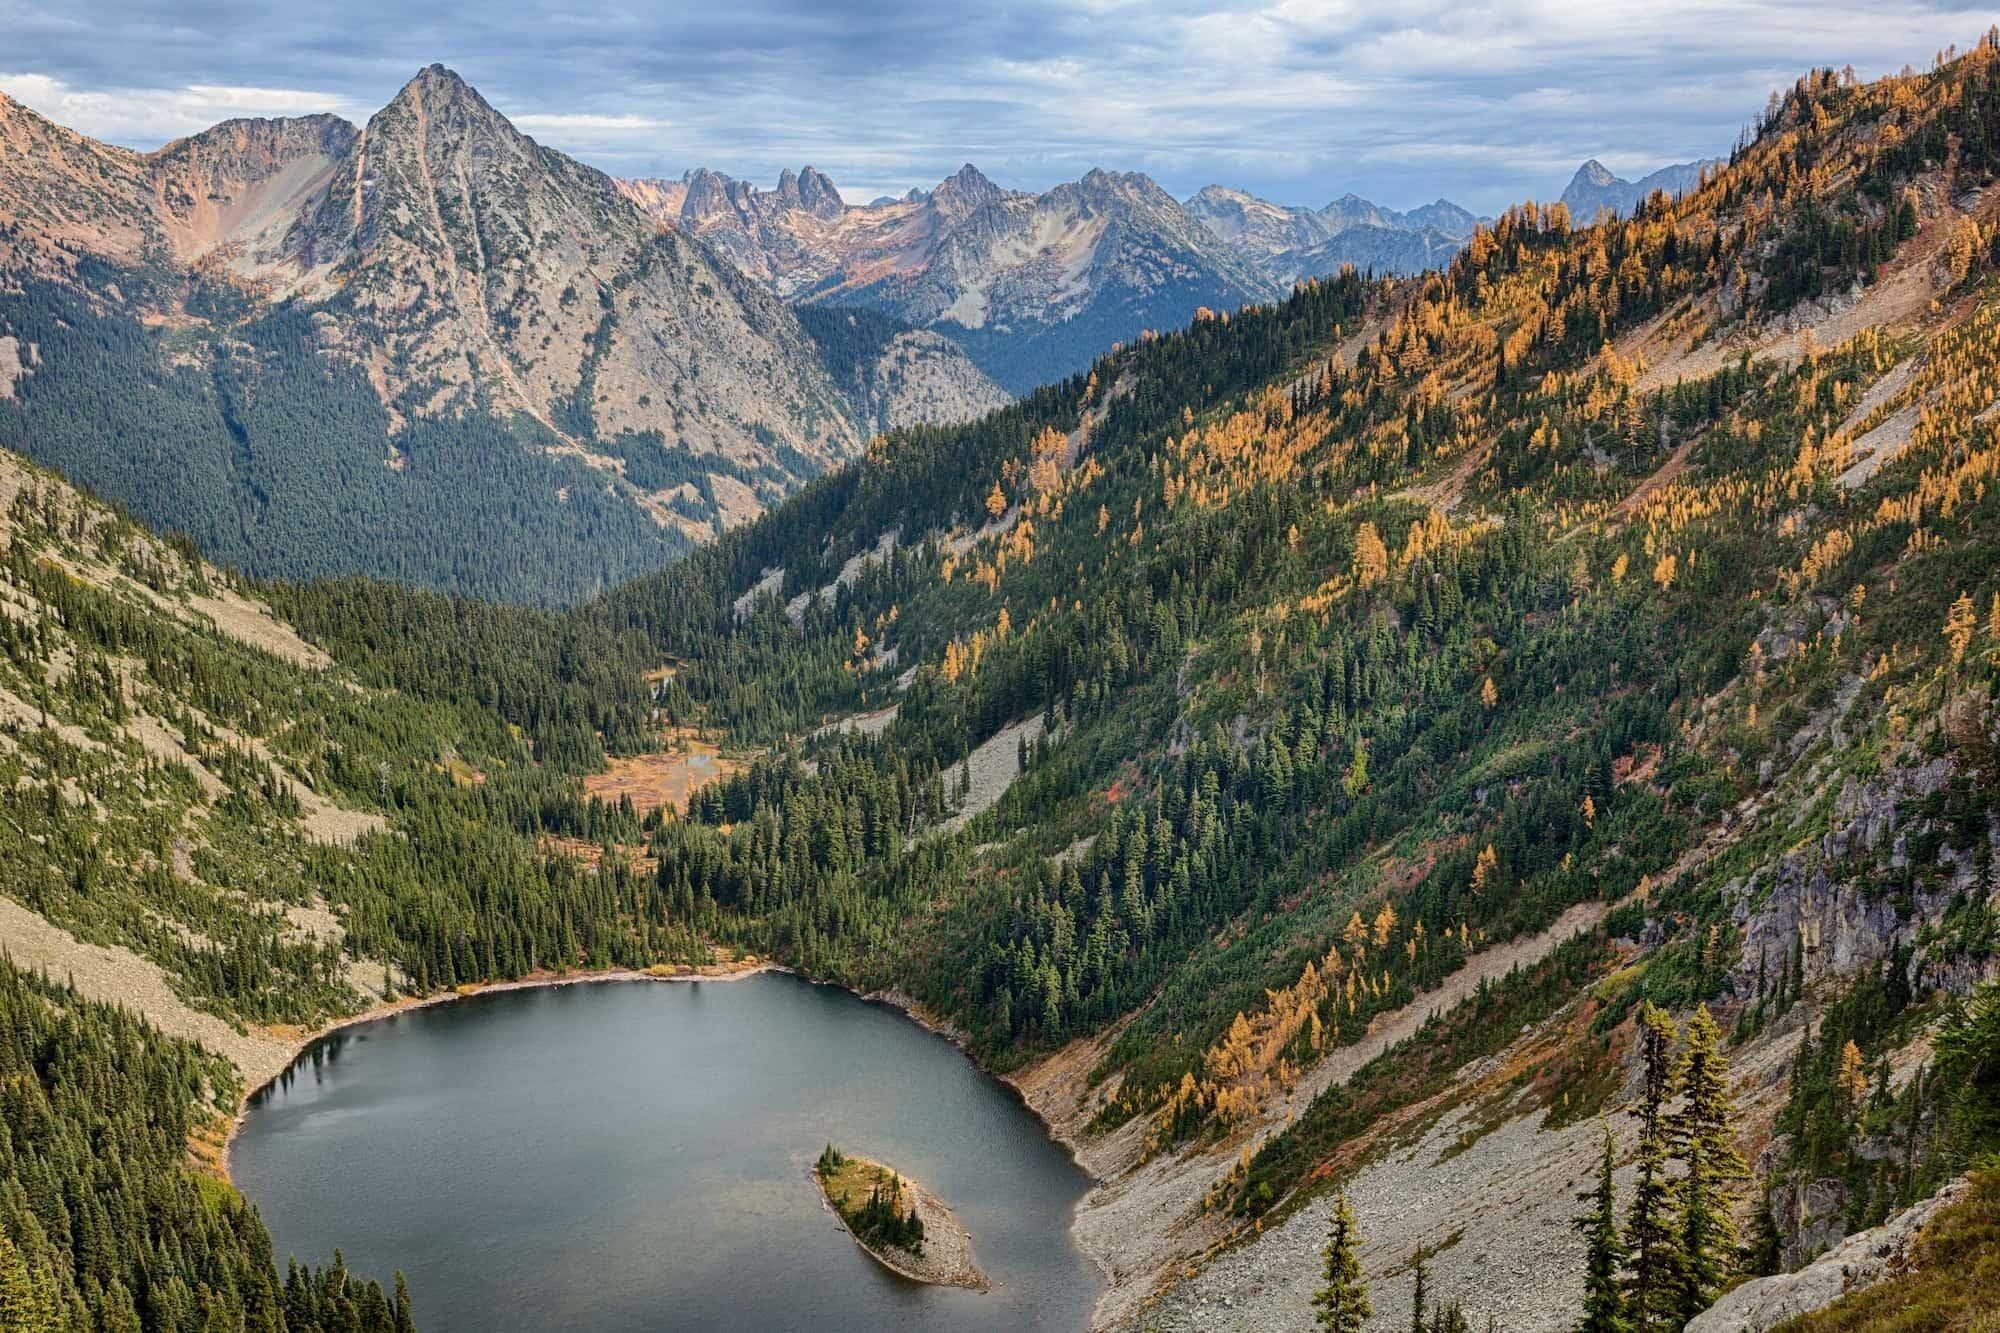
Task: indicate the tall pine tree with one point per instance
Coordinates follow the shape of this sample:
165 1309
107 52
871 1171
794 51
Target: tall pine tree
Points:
1603 1297
1420 1292
1712 1168
1652 1238
1342 1304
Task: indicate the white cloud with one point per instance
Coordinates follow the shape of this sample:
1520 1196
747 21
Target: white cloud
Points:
586 124
148 117
1301 100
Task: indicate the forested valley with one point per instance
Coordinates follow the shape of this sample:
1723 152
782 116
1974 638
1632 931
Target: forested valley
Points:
1247 690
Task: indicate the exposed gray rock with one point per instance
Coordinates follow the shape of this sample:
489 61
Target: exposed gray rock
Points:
1858 1262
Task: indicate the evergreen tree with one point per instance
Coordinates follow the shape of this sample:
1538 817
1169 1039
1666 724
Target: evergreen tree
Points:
26 1304
1703 1142
1968 1064
1764 1255
1420 1293
403 1322
1450 1318
1651 1237
1343 1302
1603 1298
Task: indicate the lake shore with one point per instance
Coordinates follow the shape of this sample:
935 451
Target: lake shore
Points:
946 1260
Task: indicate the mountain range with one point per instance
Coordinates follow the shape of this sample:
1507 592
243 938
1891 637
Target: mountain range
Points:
503 353
1032 285
1289 244
511 353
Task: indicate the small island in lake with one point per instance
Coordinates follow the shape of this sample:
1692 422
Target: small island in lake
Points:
902 1226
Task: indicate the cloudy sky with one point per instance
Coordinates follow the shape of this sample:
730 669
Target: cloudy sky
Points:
1299 100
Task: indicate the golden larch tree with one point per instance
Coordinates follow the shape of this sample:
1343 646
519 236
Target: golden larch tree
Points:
1959 622
1371 557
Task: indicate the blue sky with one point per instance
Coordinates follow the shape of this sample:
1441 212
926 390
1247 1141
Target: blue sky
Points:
1298 100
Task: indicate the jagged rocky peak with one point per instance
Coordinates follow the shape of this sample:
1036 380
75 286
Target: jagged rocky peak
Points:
709 194
440 169
438 85
441 116
962 194
816 194
1132 185
444 113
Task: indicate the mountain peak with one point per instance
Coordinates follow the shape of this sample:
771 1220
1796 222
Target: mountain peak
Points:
438 74
959 196
1595 187
1594 173
436 86
1221 193
818 194
968 177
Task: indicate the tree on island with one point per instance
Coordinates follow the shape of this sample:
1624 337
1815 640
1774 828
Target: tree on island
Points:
882 1219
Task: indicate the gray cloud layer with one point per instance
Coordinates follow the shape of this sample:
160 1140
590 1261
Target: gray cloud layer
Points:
1300 100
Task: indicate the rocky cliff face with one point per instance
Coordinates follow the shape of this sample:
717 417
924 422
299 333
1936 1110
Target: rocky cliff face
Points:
1855 1264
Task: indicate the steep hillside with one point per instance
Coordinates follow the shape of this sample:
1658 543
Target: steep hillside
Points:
500 355
215 841
897 374
1369 705
1032 285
